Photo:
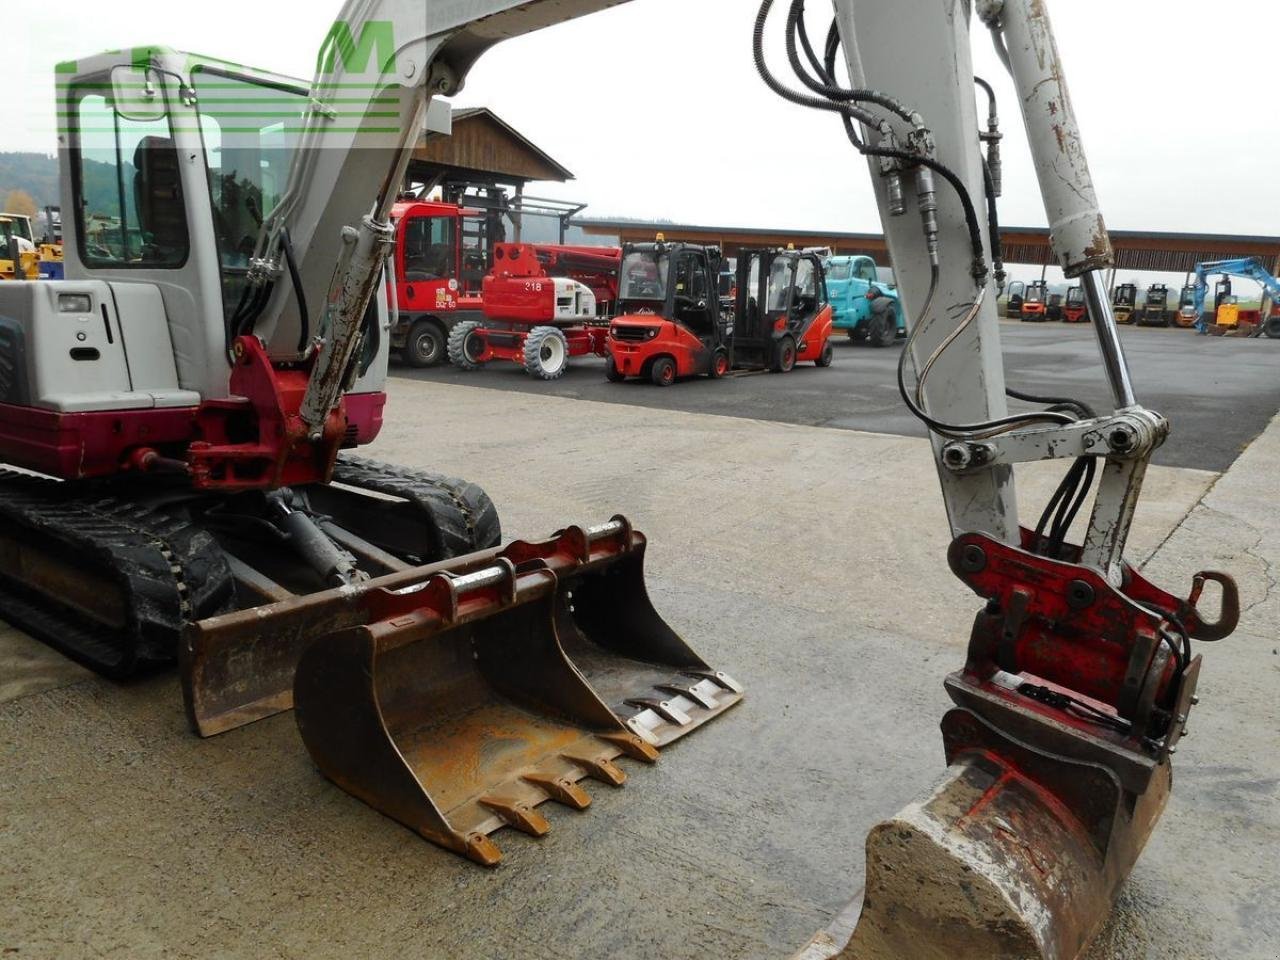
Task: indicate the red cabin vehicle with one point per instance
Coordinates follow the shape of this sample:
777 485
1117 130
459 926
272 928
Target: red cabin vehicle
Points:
440 261
540 305
1075 310
669 322
783 315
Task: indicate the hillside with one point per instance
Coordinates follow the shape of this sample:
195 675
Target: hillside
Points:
37 174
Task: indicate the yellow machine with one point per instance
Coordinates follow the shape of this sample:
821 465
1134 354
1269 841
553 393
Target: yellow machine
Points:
16 244
38 260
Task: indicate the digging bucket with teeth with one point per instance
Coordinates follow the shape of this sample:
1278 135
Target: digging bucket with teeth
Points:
457 698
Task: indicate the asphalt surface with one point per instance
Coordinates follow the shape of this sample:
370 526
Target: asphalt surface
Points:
1218 393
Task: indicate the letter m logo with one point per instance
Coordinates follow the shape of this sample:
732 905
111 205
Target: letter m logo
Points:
341 50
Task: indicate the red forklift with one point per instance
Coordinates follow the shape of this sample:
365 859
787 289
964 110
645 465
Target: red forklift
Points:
782 315
1034 302
1075 310
669 323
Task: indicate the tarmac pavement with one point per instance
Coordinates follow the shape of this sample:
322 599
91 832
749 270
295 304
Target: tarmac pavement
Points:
1219 393
808 562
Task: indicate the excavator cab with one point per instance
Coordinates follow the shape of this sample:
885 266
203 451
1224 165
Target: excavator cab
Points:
1124 302
782 315
669 322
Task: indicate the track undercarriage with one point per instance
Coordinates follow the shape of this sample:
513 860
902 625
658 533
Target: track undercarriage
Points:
111 573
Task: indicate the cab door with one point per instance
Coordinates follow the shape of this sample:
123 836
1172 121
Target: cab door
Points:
428 254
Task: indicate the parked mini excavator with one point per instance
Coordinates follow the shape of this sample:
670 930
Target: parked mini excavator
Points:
183 408
1250 268
194 383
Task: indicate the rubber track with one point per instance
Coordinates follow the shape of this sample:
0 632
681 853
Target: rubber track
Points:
462 516
169 571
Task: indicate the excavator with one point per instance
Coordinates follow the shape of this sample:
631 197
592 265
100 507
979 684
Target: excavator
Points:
184 403
1250 268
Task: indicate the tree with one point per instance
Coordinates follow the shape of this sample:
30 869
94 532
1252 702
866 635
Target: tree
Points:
20 202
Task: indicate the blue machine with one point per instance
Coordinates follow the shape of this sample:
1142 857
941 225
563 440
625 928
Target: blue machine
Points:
848 281
1250 268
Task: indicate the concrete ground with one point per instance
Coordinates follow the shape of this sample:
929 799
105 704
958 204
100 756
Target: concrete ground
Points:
1218 392
806 561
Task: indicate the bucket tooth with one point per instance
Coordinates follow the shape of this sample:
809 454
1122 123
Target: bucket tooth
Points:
666 709
632 745
718 677
480 849
560 789
598 768
518 814
691 692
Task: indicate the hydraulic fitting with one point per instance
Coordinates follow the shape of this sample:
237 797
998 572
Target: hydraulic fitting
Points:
927 201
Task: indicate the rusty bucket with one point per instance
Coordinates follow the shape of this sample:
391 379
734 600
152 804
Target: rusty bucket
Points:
459 697
239 667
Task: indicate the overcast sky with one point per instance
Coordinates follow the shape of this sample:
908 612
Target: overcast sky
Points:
657 109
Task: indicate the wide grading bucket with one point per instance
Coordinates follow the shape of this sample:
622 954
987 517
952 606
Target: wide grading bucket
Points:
459 697
239 667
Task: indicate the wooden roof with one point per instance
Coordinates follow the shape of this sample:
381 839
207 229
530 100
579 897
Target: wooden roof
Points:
484 144
1135 249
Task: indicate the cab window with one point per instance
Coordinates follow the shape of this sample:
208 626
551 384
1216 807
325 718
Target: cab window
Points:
249 129
781 275
429 245
867 271
129 203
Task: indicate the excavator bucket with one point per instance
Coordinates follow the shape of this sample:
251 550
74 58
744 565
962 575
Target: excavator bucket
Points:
1016 854
457 698
1068 710
239 667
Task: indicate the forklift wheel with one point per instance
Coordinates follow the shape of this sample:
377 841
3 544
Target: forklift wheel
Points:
663 372
784 359
1272 328
719 364
612 373
828 354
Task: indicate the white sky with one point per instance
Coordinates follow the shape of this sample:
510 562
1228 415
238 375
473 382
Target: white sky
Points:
656 106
